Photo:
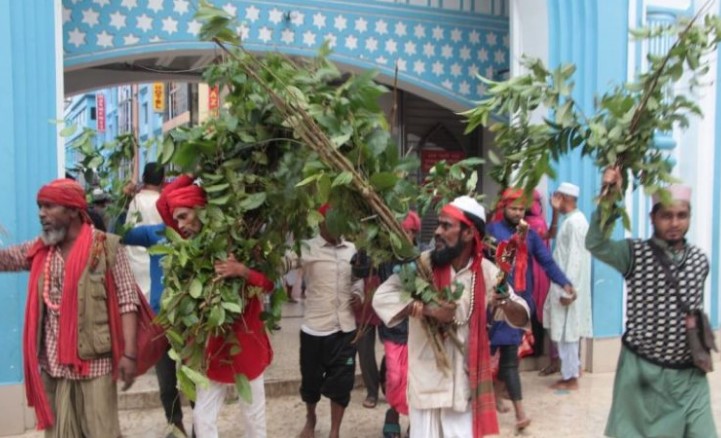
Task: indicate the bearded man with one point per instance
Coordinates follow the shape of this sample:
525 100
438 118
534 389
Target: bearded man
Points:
178 206
459 403
80 318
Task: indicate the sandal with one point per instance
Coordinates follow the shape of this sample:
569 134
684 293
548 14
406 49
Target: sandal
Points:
370 402
391 430
551 368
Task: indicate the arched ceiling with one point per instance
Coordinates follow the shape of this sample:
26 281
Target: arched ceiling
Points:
438 51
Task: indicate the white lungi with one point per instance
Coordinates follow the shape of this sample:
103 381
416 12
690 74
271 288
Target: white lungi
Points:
440 423
210 400
570 362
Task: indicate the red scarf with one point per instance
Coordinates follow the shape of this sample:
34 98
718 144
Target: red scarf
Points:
510 196
483 401
75 264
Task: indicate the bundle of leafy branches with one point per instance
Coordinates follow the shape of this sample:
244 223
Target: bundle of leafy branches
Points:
292 135
621 131
109 166
265 183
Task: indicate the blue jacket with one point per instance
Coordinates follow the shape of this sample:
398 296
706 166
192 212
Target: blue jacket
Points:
147 236
500 332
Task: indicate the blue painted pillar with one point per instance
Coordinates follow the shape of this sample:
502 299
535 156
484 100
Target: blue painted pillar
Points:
28 152
716 219
593 35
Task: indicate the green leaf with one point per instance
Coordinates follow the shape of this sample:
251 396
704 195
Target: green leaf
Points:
242 385
216 188
196 288
343 179
232 307
308 180
253 201
68 130
383 180
197 378
223 200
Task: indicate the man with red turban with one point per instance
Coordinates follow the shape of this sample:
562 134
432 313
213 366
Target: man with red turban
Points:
80 317
459 403
178 206
504 338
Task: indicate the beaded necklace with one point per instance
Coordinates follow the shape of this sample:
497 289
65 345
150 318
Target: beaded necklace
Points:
473 302
47 280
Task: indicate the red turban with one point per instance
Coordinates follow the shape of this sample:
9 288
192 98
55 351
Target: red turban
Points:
412 222
508 197
179 193
67 193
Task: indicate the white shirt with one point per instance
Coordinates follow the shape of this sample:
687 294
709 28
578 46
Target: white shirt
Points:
572 322
328 285
142 211
428 386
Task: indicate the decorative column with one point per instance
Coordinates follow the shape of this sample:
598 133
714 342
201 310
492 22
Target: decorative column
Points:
30 80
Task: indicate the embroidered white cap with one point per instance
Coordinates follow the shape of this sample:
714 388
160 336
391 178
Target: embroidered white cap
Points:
470 205
678 192
569 189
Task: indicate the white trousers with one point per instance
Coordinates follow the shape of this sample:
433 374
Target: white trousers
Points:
440 423
570 362
209 401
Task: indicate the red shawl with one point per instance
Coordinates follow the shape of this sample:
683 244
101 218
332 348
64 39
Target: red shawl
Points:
76 262
483 402
509 196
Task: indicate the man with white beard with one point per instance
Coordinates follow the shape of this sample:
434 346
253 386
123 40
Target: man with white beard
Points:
81 308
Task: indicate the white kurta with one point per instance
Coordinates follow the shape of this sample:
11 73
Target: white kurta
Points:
570 323
142 211
428 386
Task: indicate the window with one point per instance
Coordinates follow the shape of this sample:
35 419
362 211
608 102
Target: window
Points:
177 99
125 109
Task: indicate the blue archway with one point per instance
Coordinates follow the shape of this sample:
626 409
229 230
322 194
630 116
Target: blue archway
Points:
438 50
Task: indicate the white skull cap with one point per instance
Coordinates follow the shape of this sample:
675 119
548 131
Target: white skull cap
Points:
470 205
569 189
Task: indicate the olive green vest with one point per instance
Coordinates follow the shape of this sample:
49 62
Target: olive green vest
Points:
93 329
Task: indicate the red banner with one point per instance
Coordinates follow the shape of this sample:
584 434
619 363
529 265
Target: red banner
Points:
430 157
213 99
100 111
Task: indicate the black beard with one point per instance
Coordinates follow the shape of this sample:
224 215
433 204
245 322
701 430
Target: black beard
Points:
445 256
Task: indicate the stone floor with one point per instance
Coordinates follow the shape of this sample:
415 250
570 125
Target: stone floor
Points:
554 413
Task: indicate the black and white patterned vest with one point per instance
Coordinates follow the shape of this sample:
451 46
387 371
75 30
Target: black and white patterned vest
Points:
655 328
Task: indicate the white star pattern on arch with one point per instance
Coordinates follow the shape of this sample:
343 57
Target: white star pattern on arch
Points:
180 6
117 20
319 20
436 51
156 5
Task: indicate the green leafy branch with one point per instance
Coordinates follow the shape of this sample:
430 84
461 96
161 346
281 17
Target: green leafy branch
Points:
621 131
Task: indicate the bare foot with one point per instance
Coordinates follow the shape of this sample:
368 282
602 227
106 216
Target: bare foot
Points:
522 423
501 407
309 429
570 384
